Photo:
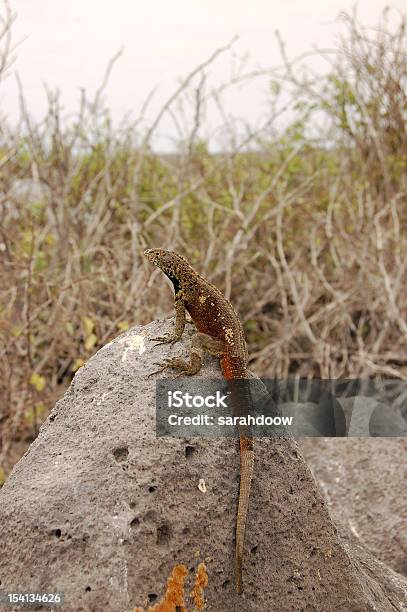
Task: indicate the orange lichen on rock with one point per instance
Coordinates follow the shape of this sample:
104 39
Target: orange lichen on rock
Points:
174 596
201 581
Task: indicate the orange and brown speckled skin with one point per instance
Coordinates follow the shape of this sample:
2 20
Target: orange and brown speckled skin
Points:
220 333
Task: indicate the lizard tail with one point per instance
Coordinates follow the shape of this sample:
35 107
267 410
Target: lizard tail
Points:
246 473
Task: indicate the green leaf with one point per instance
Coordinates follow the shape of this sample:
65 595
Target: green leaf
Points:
78 363
123 326
38 381
90 342
88 325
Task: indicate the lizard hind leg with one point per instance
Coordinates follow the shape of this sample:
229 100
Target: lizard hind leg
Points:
199 344
187 368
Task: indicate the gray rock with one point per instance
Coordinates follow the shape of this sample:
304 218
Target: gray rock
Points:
102 510
364 480
367 416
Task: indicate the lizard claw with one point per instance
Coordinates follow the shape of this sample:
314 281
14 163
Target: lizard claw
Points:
156 371
159 339
183 373
173 362
164 340
164 365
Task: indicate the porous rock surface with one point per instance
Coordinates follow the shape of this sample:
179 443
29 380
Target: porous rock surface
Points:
365 482
102 510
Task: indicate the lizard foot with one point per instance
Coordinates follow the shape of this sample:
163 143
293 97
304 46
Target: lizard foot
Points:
164 340
174 362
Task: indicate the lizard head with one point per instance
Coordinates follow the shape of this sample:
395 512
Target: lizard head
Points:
171 263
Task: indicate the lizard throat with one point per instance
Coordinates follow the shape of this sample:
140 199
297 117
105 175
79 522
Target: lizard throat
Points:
175 282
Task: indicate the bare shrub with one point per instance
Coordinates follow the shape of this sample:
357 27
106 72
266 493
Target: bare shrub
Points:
302 226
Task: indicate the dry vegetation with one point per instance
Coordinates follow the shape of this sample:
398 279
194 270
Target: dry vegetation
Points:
302 226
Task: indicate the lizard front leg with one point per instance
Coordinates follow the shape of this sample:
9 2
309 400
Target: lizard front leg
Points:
199 344
179 322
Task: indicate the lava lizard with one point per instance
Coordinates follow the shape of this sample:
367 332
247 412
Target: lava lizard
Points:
220 333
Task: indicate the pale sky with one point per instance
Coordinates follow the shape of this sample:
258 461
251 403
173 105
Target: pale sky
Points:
67 44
